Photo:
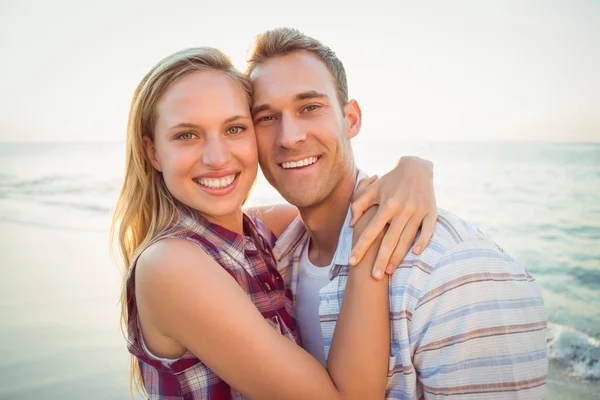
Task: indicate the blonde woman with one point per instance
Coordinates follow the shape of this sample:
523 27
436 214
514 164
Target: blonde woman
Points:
207 313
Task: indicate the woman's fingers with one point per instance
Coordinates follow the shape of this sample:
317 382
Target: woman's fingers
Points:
427 228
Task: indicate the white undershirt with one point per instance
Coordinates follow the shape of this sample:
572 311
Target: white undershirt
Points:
311 279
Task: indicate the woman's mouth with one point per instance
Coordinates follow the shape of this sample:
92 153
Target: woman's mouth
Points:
216 183
218 186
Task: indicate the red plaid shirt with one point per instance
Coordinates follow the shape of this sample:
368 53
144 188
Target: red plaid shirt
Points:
249 260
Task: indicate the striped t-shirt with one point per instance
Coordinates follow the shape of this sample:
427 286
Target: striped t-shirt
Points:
467 320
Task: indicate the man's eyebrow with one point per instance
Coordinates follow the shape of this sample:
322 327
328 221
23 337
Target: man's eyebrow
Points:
311 94
262 107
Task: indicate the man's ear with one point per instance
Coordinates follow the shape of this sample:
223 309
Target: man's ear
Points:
151 153
353 117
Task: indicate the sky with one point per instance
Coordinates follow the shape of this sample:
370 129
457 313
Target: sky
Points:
436 70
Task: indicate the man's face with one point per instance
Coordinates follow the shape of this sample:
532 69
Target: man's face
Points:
302 132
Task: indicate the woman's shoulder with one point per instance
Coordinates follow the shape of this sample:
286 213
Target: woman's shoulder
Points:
170 251
170 264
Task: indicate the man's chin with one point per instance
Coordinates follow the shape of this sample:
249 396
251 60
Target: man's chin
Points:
301 199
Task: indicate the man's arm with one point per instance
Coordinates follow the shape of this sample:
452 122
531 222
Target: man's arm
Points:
479 328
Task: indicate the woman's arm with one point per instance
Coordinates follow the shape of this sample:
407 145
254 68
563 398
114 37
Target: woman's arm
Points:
406 200
366 300
183 295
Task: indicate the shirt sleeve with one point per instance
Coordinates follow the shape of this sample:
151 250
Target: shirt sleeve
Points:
478 329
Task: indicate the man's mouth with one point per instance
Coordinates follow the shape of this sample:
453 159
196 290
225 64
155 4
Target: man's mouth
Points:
300 163
217 183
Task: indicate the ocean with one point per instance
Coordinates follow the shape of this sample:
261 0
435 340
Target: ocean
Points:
59 286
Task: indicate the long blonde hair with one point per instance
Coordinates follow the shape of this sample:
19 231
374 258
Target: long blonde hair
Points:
145 208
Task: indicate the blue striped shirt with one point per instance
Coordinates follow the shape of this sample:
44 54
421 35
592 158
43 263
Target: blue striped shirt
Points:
467 320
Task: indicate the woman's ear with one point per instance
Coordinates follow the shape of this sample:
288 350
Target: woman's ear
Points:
354 116
151 153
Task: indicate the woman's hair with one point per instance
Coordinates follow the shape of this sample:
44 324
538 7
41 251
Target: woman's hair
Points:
145 208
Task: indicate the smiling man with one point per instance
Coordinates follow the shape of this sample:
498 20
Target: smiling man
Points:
467 320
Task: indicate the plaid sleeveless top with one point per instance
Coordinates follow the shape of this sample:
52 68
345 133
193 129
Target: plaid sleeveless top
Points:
250 261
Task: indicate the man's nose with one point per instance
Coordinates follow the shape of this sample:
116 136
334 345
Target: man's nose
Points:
216 153
291 132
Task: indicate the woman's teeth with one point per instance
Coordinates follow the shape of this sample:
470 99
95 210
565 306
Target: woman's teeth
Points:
301 163
216 183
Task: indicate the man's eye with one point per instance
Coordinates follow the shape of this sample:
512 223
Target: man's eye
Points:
265 119
234 130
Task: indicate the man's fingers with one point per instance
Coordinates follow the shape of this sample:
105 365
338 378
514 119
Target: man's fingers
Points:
427 229
388 244
406 240
364 198
373 228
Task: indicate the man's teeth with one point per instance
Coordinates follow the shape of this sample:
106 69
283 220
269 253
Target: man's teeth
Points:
301 163
217 183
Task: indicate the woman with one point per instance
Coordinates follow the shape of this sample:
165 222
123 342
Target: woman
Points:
207 313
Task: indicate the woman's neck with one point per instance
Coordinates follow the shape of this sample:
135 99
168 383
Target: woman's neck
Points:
233 222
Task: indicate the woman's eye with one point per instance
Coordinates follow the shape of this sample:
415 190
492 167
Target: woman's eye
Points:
186 135
234 130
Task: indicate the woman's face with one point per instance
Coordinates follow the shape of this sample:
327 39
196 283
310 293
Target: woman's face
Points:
204 144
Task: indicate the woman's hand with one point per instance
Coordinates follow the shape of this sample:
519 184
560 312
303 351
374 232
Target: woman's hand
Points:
406 200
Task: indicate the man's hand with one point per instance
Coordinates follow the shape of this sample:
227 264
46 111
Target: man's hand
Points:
406 200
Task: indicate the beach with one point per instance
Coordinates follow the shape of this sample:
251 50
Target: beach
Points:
60 318
59 311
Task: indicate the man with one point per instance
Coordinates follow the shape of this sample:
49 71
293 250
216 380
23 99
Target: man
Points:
467 320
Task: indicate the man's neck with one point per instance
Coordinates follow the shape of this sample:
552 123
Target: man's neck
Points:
324 222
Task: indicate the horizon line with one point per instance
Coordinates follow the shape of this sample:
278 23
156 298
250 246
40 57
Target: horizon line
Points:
496 140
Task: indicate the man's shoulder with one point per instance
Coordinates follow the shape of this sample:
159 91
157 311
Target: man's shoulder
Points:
450 229
461 259
454 235
463 299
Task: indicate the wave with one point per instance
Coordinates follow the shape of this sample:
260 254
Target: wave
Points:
586 277
56 194
97 208
579 353
54 185
88 227
75 202
561 230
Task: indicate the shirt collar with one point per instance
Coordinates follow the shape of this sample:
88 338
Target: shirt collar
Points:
289 239
200 226
296 232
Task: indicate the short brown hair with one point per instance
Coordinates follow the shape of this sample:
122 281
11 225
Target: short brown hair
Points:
282 41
